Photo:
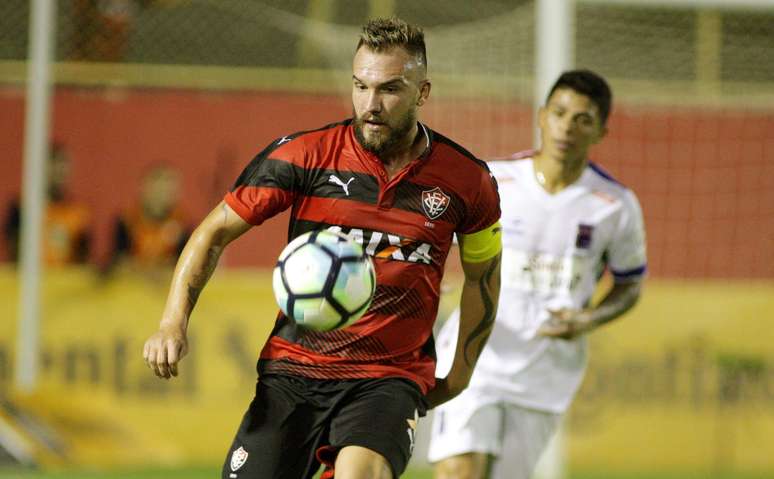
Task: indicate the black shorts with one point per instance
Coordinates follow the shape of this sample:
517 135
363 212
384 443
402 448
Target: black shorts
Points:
294 424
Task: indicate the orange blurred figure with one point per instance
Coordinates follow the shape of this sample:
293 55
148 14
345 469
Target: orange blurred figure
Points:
66 235
154 232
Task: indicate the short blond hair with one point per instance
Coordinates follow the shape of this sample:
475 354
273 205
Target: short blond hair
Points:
381 34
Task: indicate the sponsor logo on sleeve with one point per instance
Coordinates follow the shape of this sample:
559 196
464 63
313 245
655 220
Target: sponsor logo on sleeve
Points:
583 240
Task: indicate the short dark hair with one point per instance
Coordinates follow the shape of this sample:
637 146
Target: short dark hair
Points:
381 34
587 83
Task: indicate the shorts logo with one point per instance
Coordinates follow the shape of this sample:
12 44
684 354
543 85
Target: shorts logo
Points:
435 202
412 430
238 458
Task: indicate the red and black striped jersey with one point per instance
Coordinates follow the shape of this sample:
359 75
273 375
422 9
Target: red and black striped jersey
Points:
406 224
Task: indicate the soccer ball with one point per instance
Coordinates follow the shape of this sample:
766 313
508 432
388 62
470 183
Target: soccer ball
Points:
324 280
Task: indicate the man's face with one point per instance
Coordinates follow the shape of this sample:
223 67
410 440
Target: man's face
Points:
387 89
570 123
160 191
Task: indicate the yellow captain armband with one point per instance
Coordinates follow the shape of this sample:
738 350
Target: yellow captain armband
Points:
481 245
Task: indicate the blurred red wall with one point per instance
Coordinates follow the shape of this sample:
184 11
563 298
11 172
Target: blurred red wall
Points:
705 177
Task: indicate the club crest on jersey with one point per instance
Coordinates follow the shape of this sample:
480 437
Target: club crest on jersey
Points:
435 202
238 458
583 240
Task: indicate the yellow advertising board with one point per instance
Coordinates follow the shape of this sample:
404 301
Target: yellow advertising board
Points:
95 391
684 382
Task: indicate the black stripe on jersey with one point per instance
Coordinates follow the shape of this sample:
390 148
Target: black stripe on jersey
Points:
322 183
253 169
311 370
298 227
442 139
271 173
343 343
340 343
402 302
408 196
295 135
347 185
365 189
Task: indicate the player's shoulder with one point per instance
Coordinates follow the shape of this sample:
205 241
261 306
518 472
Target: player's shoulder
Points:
511 166
603 183
510 159
600 178
306 139
455 151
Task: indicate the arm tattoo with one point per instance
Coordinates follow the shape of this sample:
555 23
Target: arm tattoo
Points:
481 331
200 279
193 297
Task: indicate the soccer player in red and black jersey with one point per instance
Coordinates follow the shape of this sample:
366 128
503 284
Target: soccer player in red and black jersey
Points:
350 398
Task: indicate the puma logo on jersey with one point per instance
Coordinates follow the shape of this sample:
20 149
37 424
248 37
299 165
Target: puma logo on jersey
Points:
284 139
388 246
344 186
412 430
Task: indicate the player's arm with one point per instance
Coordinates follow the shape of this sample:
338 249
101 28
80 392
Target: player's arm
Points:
626 259
569 324
480 254
200 255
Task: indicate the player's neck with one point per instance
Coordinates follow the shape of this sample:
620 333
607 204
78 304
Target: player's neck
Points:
408 151
554 175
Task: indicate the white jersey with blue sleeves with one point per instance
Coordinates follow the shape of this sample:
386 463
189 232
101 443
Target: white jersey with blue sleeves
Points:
555 248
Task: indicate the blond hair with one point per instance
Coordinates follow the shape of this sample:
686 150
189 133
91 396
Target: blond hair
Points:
382 34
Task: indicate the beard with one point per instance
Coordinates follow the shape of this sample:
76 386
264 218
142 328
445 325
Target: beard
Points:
382 144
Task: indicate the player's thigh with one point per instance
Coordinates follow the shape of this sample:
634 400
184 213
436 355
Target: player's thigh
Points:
380 415
356 462
466 424
471 465
277 436
526 435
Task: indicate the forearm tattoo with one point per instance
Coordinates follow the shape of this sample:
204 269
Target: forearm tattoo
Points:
199 279
481 332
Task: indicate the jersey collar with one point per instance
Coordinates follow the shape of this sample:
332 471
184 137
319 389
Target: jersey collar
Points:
426 132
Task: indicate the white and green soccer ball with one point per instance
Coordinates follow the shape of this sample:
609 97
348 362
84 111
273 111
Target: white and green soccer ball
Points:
324 280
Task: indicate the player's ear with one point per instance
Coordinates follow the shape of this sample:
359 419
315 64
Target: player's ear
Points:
424 92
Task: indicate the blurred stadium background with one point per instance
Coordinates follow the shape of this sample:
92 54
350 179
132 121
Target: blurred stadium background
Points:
681 388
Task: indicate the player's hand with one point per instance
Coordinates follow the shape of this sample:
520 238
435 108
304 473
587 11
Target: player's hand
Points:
443 391
566 324
164 350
